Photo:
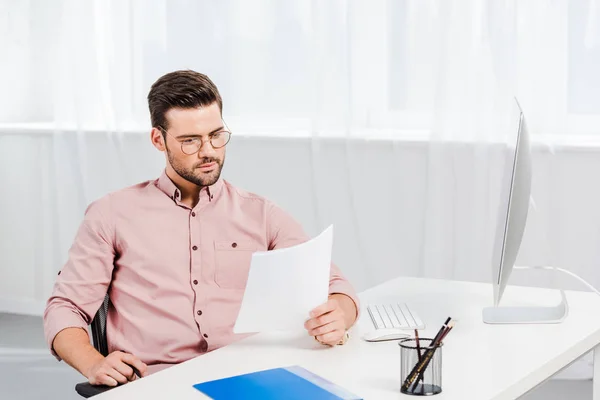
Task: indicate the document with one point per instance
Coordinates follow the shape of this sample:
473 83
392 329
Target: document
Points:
284 285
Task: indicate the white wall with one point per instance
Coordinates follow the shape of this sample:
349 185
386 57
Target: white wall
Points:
377 204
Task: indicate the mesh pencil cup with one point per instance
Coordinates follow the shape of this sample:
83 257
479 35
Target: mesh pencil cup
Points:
420 367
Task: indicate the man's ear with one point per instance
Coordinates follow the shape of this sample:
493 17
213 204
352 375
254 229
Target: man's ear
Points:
157 139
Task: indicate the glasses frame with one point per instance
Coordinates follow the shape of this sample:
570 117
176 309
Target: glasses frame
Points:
202 141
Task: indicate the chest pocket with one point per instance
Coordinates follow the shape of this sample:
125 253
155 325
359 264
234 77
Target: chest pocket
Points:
232 263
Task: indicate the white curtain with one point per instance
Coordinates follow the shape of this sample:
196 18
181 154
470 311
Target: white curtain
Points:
384 117
306 66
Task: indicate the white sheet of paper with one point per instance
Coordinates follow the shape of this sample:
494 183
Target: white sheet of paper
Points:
284 285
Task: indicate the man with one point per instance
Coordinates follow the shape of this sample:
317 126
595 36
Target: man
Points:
174 253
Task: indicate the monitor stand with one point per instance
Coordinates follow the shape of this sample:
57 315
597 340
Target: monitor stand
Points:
528 314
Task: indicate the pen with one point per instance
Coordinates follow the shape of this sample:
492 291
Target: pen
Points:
135 370
418 369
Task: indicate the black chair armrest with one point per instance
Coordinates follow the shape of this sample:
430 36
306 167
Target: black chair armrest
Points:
87 390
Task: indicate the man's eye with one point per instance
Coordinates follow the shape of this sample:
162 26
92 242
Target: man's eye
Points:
189 141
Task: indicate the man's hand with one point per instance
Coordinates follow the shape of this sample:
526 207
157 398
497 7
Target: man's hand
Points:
115 368
329 321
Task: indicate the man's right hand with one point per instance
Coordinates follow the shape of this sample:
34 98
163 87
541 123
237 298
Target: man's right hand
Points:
114 369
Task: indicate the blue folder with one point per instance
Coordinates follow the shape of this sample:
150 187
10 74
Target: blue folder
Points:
290 383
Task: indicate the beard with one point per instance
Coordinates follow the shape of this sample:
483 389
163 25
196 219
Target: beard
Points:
194 174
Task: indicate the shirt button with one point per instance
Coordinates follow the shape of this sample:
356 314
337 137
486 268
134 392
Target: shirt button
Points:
195 282
234 245
194 248
199 312
193 214
204 346
205 335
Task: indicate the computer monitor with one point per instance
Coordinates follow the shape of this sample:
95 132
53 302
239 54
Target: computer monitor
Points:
514 202
512 218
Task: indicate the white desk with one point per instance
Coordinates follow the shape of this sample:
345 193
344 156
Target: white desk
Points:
479 361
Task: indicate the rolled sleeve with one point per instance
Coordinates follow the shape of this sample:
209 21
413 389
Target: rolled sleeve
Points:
285 231
62 317
83 282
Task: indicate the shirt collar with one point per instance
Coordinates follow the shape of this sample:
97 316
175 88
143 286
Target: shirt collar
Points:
165 184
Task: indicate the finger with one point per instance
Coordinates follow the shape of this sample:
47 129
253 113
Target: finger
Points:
104 379
116 375
331 338
324 308
136 363
320 321
322 330
123 369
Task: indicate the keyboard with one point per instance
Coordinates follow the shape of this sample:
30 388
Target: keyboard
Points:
394 316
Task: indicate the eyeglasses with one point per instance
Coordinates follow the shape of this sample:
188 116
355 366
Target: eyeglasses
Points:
192 145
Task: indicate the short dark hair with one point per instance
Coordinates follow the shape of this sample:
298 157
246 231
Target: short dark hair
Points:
182 89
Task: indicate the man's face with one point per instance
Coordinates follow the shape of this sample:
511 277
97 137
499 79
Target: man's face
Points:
187 126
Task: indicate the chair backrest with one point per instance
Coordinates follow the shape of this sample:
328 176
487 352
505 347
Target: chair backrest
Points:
98 326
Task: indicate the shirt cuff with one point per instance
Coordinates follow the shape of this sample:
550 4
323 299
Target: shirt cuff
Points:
62 319
346 289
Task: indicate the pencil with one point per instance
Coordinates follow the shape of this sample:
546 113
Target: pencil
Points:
440 342
418 352
418 344
441 331
450 326
421 366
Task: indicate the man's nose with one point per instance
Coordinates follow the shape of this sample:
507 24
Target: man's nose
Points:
207 149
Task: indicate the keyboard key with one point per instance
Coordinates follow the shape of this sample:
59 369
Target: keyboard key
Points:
375 317
402 308
402 321
396 319
394 315
387 323
414 316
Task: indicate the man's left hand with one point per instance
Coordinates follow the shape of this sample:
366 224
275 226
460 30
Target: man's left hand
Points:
327 323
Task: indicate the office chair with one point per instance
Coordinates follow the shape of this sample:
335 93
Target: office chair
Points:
98 327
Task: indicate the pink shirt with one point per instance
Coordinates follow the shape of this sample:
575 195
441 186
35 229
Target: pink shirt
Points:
175 275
